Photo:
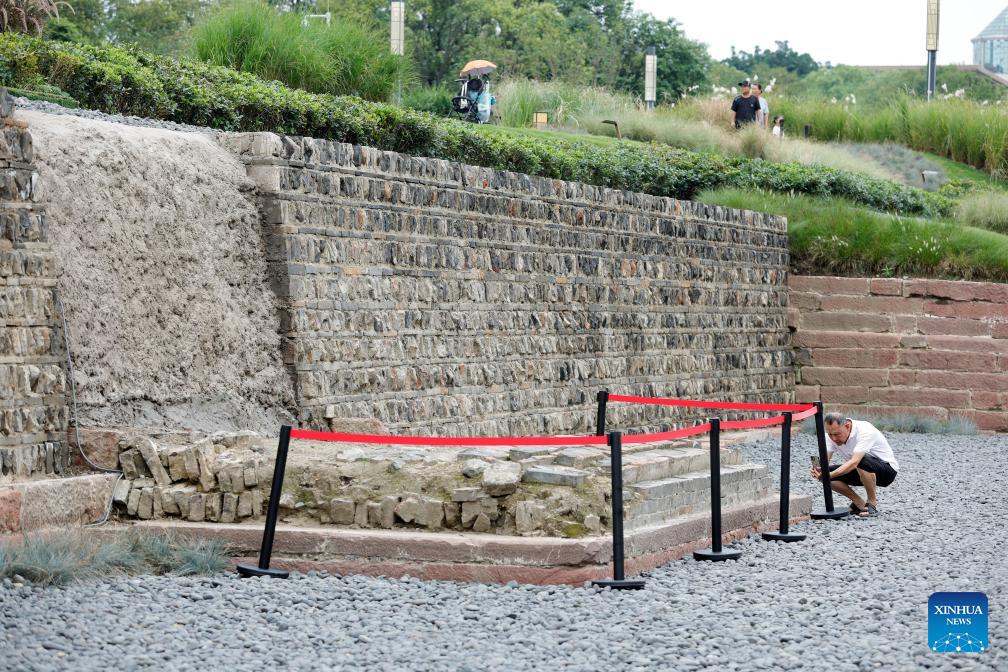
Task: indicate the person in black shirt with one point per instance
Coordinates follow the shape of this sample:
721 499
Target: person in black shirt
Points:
746 108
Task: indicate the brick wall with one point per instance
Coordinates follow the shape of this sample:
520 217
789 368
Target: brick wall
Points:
433 296
882 345
32 380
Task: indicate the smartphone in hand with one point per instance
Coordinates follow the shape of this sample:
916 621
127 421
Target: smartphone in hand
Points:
815 461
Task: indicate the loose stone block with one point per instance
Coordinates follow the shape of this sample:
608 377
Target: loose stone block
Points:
121 492
153 460
578 457
244 505
469 512
361 514
177 466
529 517
213 506
128 465
257 501
191 464
133 503
502 478
482 523
342 511
145 507
473 468
205 455
452 514
229 508
197 507
520 453
555 475
250 477
467 494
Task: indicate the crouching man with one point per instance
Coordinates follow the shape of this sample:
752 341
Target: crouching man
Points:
869 461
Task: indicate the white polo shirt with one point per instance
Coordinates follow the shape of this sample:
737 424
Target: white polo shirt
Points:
864 438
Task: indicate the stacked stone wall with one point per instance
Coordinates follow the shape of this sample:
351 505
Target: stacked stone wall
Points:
32 379
431 296
936 348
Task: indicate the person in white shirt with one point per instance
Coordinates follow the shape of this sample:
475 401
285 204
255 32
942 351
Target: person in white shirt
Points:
869 461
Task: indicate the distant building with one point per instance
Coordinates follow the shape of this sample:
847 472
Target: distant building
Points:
990 48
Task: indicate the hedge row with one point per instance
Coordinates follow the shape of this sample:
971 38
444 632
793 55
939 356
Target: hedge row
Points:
129 81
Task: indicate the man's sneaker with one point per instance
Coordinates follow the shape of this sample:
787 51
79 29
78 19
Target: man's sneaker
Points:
870 510
855 511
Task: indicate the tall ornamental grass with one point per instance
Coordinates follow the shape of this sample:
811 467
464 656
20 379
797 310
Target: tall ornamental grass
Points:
832 236
984 210
961 130
340 59
588 108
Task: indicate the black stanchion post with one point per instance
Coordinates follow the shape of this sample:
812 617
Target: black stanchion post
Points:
782 533
603 399
829 513
619 580
716 552
263 568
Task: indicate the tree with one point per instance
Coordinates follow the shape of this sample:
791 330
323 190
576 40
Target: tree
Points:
682 63
781 57
157 26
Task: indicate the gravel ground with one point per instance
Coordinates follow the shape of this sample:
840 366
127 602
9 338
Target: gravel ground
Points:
129 120
853 596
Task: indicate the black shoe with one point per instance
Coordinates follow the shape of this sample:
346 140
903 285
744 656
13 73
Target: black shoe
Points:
855 511
870 510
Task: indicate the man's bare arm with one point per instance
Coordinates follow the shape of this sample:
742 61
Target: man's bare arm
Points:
848 466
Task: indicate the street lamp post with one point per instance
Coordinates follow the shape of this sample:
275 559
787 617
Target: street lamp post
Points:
650 78
398 20
398 12
932 46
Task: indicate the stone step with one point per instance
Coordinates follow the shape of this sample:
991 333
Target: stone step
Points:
653 502
660 463
56 502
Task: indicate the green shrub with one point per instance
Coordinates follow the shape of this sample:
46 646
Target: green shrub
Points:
984 210
340 59
128 81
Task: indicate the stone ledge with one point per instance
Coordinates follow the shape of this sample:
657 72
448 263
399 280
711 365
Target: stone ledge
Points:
57 502
485 557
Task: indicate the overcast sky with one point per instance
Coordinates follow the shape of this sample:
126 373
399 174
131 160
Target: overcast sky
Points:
855 32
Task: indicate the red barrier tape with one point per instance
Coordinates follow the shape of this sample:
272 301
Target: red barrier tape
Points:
753 424
667 436
806 414
807 411
726 405
449 441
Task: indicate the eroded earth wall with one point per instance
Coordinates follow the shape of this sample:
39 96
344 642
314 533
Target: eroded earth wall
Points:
429 296
160 266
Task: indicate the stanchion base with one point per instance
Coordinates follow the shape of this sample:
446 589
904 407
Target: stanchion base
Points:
255 570
716 556
782 536
620 584
835 514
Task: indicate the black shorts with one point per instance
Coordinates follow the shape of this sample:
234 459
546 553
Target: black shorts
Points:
884 473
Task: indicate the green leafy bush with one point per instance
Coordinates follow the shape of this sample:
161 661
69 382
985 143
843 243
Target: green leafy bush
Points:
128 81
